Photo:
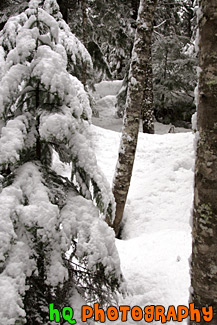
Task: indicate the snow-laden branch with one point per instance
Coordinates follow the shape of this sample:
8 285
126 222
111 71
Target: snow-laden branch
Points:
12 139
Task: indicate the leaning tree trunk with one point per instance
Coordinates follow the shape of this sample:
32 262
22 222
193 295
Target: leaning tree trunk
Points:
139 62
204 254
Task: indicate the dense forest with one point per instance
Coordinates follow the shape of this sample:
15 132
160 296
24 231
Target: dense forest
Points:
107 30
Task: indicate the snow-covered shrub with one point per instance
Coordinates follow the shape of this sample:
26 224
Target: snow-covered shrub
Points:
54 243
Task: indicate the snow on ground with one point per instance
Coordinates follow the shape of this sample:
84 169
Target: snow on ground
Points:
105 88
156 241
156 236
105 98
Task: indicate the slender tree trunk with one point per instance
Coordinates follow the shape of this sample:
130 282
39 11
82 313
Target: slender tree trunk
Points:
164 80
204 252
137 75
147 103
84 29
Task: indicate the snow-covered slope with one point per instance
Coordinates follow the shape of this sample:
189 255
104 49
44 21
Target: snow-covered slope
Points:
156 236
156 233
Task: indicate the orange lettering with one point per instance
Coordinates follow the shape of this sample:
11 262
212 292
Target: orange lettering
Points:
149 314
112 313
207 315
159 312
136 313
194 313
84 314
124 310
171 313
182 313
99 314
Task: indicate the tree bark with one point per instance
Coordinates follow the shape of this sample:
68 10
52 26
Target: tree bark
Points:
147 114
204 250
84 31
139 62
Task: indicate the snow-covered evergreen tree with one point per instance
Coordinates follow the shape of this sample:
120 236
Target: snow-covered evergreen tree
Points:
54 243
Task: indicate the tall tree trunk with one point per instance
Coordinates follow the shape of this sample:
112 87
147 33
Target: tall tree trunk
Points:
139 62
162 107
84 30
147 114
204 252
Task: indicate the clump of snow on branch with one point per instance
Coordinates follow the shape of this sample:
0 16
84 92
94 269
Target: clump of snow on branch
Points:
90 232
74 47
12 139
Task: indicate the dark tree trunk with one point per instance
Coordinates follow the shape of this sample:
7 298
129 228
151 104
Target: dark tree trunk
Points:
135 7
84 29
204 252
64 9
139 62
147 114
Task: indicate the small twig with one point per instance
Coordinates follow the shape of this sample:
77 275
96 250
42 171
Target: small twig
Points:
160 24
